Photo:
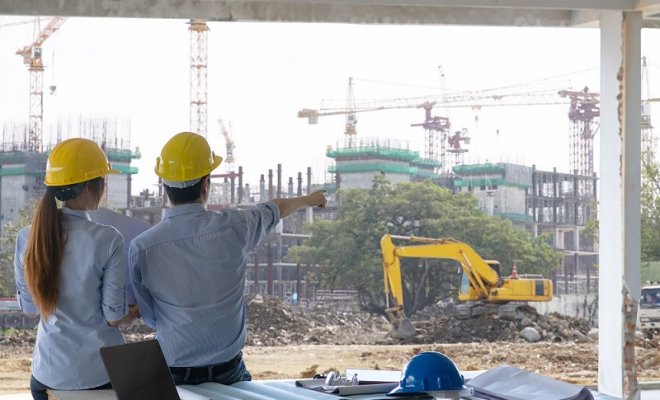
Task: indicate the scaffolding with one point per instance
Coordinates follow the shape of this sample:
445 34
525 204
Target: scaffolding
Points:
22 171
368 156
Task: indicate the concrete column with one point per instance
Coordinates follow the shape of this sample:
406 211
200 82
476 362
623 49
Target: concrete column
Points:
619 211
240 185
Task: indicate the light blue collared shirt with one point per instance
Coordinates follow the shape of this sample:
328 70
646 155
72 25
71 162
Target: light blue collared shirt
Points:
188 274
91 292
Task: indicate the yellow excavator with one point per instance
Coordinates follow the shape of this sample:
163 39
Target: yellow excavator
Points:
482 288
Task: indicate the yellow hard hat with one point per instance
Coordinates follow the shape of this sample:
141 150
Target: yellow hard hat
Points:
184 159
76 160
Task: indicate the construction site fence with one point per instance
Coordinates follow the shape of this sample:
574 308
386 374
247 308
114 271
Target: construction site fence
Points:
336 300
574 305
309 298
579 286
17 320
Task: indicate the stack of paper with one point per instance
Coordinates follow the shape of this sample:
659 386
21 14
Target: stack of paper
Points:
510 383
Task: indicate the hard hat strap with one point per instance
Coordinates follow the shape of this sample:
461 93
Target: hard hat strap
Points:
181 184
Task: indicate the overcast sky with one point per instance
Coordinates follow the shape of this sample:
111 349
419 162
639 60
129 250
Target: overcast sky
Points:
260 74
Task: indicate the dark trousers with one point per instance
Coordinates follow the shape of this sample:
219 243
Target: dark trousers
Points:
236 372
38 389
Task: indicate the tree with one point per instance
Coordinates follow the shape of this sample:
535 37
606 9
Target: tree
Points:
347 249
8 246
650 213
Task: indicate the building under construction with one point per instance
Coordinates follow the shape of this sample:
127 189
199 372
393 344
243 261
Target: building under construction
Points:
356 165
22 170
543 202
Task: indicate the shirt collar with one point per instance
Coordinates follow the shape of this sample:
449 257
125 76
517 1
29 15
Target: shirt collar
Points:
183 209
76 213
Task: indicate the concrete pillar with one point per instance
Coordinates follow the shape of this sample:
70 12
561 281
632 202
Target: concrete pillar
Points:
270 185
232 189
309 180
262 188
279 180
240 185
256 272
619 211
269 269
559 238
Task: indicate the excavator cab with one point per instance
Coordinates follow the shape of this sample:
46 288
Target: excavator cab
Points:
495 265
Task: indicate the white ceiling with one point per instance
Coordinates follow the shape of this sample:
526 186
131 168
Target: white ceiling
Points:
452 12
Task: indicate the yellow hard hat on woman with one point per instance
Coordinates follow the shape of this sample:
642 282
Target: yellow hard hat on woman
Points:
185 159
74 161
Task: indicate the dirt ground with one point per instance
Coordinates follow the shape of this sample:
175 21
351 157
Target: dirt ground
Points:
575 363
285 343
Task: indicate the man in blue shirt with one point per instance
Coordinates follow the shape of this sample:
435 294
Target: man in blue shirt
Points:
188 271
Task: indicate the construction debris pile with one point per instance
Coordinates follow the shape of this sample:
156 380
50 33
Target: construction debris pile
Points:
272 322
16 341
439 325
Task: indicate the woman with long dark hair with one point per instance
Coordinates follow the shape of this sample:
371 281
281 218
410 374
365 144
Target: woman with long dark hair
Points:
71 272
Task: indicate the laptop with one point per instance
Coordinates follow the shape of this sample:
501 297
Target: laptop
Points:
138 371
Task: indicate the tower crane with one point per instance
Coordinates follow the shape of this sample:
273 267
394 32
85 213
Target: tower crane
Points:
440 142
229 146
198 75
32 58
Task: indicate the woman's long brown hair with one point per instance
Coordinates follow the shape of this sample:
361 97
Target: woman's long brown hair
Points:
43 256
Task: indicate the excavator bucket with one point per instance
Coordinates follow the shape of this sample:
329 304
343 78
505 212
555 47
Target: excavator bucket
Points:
403 329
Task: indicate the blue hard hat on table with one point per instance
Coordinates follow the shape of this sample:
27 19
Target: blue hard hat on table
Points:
429 372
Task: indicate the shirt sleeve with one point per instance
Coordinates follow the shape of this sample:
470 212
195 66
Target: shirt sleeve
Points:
260 220
142 295
22 293
130 296
113 288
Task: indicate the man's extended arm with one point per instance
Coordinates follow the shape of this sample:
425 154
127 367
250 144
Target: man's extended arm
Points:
289 206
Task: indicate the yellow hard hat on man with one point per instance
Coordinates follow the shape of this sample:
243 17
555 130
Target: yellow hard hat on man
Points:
74 161
185 159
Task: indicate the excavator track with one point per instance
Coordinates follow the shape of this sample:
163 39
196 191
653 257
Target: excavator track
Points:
509 311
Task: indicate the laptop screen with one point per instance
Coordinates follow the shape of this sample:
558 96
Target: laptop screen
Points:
138 371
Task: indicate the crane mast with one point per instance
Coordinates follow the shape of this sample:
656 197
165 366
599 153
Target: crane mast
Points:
32 57
198 75
351 117
648 141
583 114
